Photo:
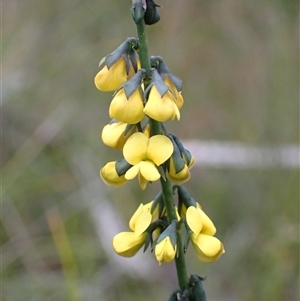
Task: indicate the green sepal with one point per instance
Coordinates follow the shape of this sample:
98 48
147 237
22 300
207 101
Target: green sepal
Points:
197 289
161 87
187 237
176 156
133 57
151 15
152 227
122 166
184 152
159 64
148 241
133 84
128 128
161 171
184 198
158 200
171 232
138 10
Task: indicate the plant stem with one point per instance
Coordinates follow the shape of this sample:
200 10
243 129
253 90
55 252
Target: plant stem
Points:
156 128
171 213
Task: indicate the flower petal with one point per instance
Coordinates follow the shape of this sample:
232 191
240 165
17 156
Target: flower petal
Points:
159 108
110 79
127 244
149 171
135 149
142 181
164 250
132 172
193 219
160 149
143 222
127 110
208 248
135 217
207 225
110 177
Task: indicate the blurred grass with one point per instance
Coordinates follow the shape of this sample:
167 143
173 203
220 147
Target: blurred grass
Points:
238 61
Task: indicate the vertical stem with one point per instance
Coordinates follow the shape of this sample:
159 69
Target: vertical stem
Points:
143 45
171 213
166 184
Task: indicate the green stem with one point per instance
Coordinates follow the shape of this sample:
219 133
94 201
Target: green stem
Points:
143 45
171 213
166 184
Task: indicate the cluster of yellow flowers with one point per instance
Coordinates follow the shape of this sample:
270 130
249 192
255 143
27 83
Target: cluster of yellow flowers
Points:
139 97
143 153
149 226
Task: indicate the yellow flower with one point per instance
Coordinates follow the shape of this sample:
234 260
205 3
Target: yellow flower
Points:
110 79
178 99
127 110
207 247
127 244
145 154
165 251
142 218
110 177
113 134
180 177
161 108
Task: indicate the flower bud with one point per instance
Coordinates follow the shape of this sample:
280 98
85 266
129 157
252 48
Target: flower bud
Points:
117 67
110 176
151 14
160 105
166 245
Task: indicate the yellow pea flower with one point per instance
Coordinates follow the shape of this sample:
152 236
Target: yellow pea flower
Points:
113 134
127 110
145 154
165 251
161 108
110 177
109 79
207 247
127 244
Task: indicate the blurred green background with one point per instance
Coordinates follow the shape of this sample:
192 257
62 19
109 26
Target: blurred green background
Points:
238 60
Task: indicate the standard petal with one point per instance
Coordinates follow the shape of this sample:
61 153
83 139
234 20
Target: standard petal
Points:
208 248
193 219
149 171
207 225
135 149
143 222
160 149
135 217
